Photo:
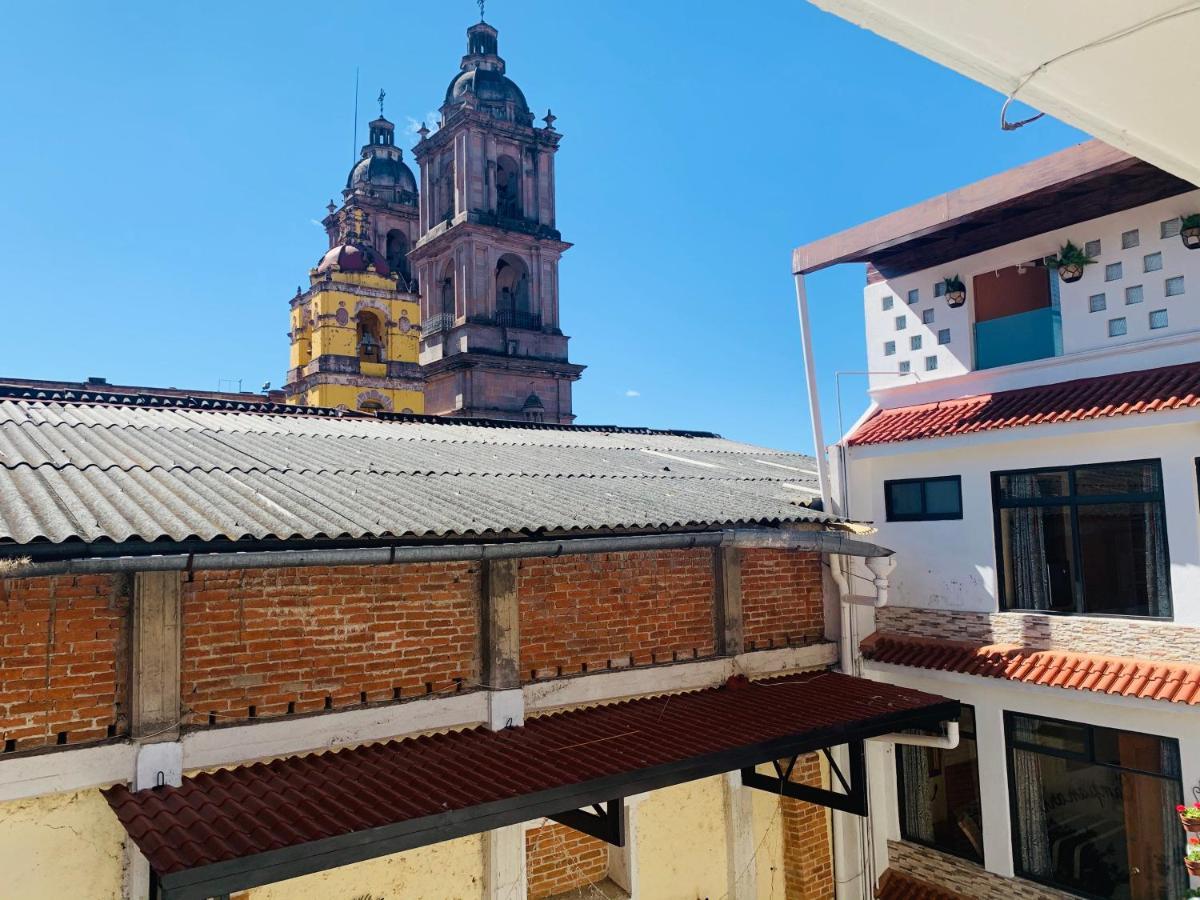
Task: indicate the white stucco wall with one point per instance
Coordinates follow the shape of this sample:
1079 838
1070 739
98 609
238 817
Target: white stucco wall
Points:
952 564
991 698
1082 331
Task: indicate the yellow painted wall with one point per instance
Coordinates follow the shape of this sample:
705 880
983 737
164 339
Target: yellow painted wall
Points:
334 395
61 846
452 870
681 842
768 842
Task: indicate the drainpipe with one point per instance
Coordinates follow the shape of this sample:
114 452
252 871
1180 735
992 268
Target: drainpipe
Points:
947 740
814 400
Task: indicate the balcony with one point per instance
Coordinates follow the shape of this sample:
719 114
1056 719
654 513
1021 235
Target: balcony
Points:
510 318
437 322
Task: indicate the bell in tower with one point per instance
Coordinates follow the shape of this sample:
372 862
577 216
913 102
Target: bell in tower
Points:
488 248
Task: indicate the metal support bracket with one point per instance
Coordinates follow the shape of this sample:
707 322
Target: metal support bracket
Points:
852 799
607 822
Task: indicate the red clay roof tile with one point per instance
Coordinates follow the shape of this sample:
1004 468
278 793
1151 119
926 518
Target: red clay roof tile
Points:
234 813
1173 682
897 885
1128 393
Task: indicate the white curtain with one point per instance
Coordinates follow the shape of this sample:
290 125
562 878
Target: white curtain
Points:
1027 547
918 793
1158 576
1031 814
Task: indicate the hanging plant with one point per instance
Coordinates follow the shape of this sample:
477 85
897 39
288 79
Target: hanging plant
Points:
1189 816
1192 860
955 290
1070 262
1189 231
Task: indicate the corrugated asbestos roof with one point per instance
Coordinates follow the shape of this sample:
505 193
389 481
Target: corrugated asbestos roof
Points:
608 750
101 472
1177 682
1128 393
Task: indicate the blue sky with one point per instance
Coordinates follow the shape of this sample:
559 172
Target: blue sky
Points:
162 167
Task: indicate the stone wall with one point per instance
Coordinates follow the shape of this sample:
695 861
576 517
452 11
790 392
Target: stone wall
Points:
1111 637
967 878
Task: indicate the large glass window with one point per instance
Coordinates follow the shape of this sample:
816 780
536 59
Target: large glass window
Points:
1083 539
939 794
923 499
1094 809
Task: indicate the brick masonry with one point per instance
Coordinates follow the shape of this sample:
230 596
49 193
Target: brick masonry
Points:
61 640
1157 641
266 643
807 857
781 598
618 608
299 640
966 878
559 859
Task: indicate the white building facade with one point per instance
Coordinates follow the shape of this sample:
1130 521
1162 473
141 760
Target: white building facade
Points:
1031 456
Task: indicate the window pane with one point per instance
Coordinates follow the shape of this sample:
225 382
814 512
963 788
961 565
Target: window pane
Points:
1131 750
939 795
1095 829
1037 558
1124 478
1017 486
1122 553
905 498
943 497
1051 733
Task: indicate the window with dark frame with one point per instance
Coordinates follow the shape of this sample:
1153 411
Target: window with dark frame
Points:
923 499
938 792
1093 809
1084 540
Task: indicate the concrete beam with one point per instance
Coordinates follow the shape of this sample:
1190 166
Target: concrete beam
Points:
156 644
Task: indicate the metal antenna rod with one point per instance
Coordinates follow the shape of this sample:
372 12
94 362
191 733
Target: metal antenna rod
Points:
354 149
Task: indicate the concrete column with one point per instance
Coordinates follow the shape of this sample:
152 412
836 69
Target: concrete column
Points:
727 602
993 788
504 850
156 643
742 882
500 638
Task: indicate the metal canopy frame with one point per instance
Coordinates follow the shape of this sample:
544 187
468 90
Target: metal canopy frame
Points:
853 798
564 804
607 822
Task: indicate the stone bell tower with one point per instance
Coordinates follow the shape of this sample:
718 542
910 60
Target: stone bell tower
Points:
487 254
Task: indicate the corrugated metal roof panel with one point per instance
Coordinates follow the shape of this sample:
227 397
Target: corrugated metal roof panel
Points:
237 813
80 472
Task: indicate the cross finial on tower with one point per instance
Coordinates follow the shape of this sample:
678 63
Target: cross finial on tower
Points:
382 94
480 3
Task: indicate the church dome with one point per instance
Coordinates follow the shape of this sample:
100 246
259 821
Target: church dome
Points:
489 88
482 83
382 171
353 258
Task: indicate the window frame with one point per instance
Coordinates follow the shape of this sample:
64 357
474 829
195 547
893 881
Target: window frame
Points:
1072 501
922 516
901 802
1010 746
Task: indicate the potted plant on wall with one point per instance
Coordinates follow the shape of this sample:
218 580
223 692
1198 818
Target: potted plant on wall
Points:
1192 860
955 290
1189 231
1070 262
1189 816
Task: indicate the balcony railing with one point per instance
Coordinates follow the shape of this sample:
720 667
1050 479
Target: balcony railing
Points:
437 322
510 318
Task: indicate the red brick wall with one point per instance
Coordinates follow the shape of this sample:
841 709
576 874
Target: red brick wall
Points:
267 638
782 598
559 859
807 855
60 642
579 610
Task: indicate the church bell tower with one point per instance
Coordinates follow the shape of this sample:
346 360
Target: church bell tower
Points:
486 256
